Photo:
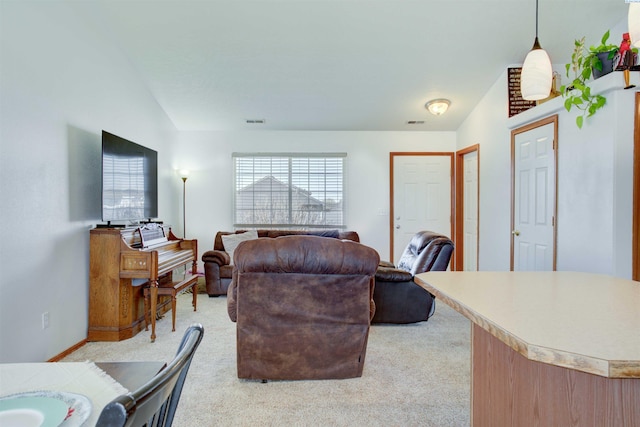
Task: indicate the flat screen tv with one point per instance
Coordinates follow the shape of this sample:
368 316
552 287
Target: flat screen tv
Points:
129 180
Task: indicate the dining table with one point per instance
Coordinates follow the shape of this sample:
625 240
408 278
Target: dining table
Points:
85 388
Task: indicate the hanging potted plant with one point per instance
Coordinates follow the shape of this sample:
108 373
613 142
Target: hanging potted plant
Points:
585 63
601 57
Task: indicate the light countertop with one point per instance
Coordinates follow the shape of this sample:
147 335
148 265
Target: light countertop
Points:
587 322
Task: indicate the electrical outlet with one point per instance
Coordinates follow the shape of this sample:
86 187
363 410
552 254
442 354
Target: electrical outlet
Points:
45 320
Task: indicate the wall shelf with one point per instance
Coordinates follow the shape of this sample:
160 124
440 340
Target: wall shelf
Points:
605 84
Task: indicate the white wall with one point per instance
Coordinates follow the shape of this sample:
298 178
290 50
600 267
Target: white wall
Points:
596 187
60 85
595 176
208 156
487 126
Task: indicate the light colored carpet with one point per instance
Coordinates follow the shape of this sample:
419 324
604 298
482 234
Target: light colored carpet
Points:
414 375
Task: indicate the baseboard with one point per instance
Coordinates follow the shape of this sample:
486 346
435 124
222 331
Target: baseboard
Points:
67 352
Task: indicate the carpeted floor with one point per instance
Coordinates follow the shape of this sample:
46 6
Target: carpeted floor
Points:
414 375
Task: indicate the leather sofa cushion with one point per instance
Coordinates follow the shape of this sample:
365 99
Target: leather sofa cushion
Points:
217 268
311 256
343 235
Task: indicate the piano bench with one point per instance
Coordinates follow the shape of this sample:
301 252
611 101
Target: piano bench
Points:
173 289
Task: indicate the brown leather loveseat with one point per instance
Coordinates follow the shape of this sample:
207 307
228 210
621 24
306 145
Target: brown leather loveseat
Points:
302 307
217 262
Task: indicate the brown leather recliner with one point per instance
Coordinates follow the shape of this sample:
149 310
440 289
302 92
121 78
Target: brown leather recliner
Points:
303 306
217 267
397 297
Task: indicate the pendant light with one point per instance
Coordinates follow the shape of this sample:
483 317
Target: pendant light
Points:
536 76
634 23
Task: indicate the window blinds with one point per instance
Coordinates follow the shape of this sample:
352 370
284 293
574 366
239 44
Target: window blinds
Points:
289 190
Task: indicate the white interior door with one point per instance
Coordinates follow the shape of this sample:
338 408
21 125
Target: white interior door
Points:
534 200
470 211
421 197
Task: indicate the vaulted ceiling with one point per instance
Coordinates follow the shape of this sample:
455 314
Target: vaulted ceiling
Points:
337 64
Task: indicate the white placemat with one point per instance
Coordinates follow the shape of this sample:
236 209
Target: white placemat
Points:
78 377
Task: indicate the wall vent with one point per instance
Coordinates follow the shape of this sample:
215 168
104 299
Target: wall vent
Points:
415 122
255 121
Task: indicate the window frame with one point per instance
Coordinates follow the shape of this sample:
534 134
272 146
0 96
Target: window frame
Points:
336 186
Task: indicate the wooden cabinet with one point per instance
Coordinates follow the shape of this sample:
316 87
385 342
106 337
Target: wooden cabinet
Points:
120 268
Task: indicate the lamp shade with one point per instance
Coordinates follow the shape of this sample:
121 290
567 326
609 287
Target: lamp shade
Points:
537 75
634 24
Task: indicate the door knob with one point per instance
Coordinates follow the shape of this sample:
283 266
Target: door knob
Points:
398 227
516 232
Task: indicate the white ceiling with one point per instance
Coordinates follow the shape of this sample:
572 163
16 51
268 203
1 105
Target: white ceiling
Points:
337 64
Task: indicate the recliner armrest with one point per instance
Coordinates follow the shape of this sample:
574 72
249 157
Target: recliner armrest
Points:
219 257
389 274
232 298
388 264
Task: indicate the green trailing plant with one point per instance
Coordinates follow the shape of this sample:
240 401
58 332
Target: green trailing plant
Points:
583 61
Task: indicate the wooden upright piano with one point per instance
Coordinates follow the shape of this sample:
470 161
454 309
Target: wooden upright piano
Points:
125 261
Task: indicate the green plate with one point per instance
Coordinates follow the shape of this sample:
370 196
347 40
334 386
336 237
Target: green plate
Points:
28 411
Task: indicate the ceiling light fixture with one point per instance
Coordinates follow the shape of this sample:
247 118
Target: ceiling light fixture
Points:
437 107
536 76
634 23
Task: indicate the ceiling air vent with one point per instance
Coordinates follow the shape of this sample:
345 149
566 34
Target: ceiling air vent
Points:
415 122
255 121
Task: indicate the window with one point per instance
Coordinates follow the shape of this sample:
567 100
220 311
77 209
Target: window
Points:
289 190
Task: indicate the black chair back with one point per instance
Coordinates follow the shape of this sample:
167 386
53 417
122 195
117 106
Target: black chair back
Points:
397 297
154 404
426 251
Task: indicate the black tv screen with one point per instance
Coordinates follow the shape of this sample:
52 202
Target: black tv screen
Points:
129 180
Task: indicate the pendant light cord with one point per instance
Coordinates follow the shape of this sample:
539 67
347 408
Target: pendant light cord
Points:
536 43
536 18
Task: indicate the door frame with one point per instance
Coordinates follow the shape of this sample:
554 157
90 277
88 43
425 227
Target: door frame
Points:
458 238
635 263
392 155
542 122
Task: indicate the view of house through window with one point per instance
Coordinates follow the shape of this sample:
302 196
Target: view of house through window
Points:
289 190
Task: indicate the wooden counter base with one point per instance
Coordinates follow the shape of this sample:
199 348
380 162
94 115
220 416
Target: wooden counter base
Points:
509 389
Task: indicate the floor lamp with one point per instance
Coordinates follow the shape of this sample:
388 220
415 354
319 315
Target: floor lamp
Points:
184 174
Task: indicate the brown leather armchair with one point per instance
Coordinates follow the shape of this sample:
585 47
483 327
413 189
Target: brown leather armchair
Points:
397 297
303 306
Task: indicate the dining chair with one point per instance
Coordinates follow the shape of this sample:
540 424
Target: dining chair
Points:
154 403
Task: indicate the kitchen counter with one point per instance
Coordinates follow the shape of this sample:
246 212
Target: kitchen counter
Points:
559 347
